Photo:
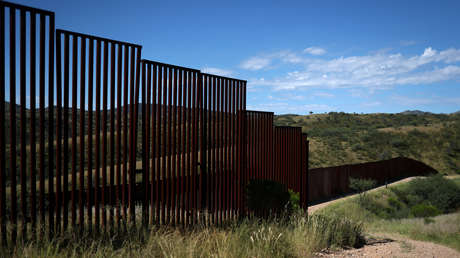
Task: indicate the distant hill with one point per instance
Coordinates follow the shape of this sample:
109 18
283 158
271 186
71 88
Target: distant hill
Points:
342 138
414 112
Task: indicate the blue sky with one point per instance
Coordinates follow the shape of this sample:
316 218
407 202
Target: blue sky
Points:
297 56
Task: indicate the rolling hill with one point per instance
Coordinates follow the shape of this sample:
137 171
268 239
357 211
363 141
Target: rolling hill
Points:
343 138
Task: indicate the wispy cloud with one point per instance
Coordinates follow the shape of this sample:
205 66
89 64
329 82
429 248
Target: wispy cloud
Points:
376 71
217 71
256 63
317 51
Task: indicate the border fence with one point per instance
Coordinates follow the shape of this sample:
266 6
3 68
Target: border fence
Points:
100 132
326 183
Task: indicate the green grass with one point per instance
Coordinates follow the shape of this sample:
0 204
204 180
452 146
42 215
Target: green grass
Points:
443 229
342 138
300 236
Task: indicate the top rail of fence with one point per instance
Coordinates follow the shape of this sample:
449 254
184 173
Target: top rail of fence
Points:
78 34
223 77
26 8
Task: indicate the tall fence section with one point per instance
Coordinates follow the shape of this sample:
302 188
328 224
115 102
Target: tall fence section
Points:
93 137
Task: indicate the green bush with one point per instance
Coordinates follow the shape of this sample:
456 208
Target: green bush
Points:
267 196
436 190
294 199
424 210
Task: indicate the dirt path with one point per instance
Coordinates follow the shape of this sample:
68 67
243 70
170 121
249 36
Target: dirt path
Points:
397 247
389 245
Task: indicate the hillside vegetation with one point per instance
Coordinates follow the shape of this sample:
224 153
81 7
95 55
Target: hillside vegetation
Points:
342 138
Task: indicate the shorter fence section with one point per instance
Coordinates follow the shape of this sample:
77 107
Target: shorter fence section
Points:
326 183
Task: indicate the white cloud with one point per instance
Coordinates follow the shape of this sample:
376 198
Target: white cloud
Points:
377 71
217 71
256 63
317 51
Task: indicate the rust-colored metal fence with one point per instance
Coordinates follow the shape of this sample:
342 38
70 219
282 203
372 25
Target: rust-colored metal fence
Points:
116 132
101 137
36 81
326 183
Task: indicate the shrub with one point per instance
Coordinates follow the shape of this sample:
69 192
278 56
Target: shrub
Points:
436 190
267 196
424 210
294 199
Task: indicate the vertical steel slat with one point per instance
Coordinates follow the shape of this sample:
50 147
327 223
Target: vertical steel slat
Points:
195 145
132 144
23 153
206 139
189 138
97 192
74 126
168 148
32 82
228 145
164 135
136 111
2 131
125 133
13 122
82 132
119 133
42 118
58 133
112 135
225 146
144 149
159 177
51 123
192 147
181 143
168 177
173 179
155 158
200 147
149 181
214 150
105 69
234 133
177 143
89 182
65 183
220 93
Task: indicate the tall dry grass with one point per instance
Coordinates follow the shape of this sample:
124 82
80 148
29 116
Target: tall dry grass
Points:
297 236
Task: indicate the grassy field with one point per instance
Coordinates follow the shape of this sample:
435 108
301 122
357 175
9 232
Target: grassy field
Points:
298 236
343 138
443 229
